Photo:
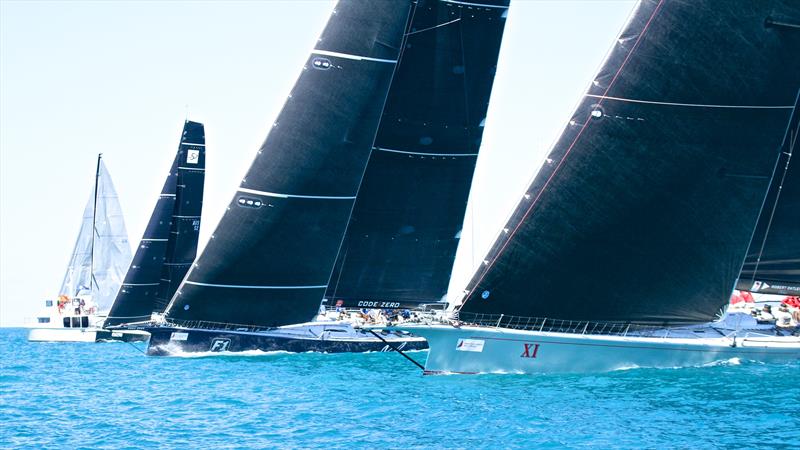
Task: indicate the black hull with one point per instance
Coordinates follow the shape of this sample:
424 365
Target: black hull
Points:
108 336
205 340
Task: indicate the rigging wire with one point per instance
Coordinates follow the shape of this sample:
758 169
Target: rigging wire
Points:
792 138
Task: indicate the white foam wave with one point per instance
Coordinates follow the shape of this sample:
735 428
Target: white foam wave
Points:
735 361
174 351
624 368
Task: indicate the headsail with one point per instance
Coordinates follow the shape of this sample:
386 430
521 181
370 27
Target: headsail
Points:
402 238
773 259
98 263
269 260
170 237
645 208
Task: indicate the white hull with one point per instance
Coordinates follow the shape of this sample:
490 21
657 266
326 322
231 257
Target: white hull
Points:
63 334
91 334
498 350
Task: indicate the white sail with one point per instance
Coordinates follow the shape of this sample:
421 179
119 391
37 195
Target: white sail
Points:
98 264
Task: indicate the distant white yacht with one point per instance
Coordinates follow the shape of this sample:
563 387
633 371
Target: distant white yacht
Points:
94 274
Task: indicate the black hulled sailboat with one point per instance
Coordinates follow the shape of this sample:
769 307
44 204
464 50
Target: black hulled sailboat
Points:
269 260
169 244
630 239
403 231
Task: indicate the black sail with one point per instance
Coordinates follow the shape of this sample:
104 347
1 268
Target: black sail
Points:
270 258
140 293
645 208
773 259
402 238
185 222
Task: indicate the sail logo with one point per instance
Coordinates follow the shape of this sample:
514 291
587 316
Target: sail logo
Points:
531 350
378 304
220 345
193 156
470 345
758 285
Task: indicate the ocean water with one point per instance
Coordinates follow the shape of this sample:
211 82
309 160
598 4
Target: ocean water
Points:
112 396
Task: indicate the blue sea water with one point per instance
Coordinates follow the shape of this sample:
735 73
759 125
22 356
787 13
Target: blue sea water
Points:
112 396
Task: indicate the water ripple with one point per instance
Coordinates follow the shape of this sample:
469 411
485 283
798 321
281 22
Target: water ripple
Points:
111 396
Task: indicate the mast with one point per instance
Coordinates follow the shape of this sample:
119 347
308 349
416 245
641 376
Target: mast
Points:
94 223
646 206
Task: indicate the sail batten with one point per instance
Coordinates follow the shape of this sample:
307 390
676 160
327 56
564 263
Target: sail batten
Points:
270 258
647 202
169 242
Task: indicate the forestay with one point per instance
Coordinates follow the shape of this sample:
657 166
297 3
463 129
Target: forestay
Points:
773 258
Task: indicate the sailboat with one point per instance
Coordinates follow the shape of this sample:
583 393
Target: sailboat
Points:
632 235
424 144
95 270
403 232
267 265
169 244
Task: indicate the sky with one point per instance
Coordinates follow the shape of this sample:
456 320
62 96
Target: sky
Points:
78 78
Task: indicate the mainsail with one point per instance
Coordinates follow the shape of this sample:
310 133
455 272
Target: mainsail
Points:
646 205
402 238
773 259
270 258
185 223
101 253
169 243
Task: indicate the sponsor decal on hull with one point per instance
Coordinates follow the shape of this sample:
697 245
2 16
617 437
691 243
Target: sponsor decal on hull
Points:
178 336
470 345
220 345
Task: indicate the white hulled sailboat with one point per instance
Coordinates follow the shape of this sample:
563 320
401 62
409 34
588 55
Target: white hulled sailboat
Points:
96 268
633 234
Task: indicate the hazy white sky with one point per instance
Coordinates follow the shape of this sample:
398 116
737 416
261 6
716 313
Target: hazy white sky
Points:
79 78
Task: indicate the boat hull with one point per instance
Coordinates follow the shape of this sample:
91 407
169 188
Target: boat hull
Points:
472 350
170 340
85 335
63 334
122 335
